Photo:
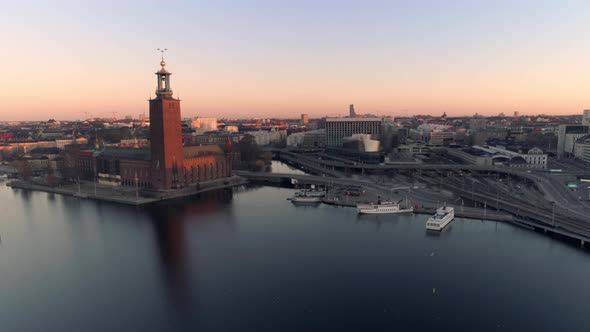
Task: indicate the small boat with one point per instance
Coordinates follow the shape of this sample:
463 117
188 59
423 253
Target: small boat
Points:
441 218
385 207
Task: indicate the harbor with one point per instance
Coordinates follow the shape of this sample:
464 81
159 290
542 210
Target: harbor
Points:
425 200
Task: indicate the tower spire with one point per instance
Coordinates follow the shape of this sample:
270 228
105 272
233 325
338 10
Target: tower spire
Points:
162 50
163 89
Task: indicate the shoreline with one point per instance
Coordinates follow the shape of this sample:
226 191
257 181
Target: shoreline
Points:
125 195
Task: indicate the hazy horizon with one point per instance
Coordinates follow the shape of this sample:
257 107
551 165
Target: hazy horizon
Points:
263 59
294 117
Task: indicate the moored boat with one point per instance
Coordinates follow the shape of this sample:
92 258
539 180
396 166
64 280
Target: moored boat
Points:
441 218
382 207
310 193
305 199
304 196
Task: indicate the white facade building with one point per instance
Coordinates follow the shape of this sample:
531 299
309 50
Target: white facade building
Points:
567 136
204 124
308 139
533 158
338 128
264 138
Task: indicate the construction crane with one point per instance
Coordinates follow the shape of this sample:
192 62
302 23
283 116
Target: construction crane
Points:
115 116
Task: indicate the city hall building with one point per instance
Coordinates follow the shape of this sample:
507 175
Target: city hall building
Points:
165 163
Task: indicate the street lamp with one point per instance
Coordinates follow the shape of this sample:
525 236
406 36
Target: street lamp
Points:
553 214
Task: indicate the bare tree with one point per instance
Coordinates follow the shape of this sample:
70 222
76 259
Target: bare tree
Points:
24 169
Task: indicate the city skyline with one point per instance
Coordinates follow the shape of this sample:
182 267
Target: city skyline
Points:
262 59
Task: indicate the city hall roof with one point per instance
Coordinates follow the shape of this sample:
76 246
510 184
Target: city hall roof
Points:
126 153
201 150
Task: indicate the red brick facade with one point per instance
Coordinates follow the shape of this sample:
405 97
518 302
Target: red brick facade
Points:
166 143
132 168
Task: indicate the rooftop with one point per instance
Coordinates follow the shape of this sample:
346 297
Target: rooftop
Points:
201 150
354 120
126 153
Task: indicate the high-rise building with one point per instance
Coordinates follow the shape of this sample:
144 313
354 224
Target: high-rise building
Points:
351 111
165 134
567 136
586 118
304 118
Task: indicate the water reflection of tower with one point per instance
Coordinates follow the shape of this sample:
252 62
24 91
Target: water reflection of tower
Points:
168 228
170 222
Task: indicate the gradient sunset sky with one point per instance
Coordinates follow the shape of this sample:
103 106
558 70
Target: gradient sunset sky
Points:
255 58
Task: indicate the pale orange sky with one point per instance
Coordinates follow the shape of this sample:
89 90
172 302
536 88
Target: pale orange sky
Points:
68 59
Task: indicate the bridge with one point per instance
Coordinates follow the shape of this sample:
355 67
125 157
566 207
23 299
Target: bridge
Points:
287 177
331 166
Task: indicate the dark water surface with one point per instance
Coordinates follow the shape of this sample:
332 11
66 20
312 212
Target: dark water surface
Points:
251 261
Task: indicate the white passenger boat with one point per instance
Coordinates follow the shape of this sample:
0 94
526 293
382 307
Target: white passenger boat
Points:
303 196
310 193
442 218
385 207
305 199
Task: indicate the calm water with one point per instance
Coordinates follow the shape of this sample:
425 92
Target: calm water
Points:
251 261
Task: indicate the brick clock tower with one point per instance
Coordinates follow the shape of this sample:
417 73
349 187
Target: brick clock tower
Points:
165 135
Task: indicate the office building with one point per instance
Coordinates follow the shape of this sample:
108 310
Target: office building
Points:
586 118
567 136
351 111
304 119
338 128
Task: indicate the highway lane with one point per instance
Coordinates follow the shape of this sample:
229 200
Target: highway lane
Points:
555 191
542 213
567 205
